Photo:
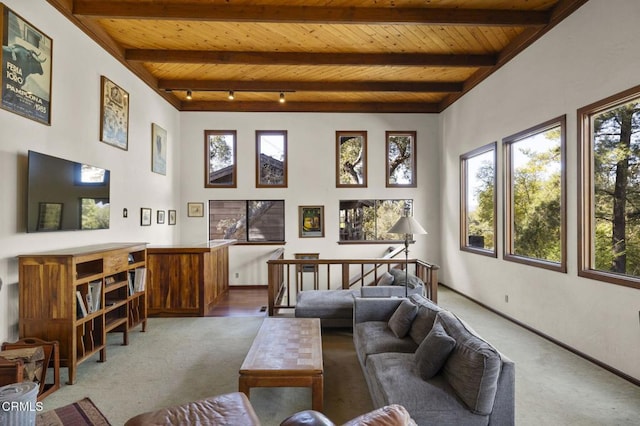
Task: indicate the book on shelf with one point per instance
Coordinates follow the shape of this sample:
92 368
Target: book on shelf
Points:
81 309
131 276
140 279
95 289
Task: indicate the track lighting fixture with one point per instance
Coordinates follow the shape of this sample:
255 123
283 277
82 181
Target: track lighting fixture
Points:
231 95
189 95
282 99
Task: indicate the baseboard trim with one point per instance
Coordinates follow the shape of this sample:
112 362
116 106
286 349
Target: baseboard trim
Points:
248 287
553 340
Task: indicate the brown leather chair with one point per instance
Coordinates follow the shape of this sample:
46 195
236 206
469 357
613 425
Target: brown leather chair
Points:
228 409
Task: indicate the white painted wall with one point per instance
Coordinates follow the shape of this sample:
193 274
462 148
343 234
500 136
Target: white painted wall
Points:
311 180
589 56
78 63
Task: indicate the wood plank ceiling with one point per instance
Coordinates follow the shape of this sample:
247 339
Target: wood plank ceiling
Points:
321 55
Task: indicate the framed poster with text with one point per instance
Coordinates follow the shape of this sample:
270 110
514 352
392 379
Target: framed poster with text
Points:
26 68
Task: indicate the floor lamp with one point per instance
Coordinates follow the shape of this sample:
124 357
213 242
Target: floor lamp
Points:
408 226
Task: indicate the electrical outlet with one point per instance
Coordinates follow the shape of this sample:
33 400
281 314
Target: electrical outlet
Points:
506 298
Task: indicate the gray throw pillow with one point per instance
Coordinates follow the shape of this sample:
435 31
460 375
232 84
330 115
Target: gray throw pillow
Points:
401 277
400 321
385 279
433 352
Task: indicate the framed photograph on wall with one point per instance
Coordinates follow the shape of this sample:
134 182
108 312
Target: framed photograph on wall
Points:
160 217
195 209
114 114
311 221
172 217
26 68
158 149
145 216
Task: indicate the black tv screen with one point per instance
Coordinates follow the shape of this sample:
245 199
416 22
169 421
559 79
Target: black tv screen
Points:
64 195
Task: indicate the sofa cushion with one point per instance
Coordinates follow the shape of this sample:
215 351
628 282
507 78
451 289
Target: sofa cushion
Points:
392 379
421 325
325 304
400 321
473 366
433 351
400 277
374 337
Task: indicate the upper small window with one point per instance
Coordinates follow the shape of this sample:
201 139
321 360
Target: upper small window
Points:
220 159
401 159
609 207
351 159
478 200
535 196
271 159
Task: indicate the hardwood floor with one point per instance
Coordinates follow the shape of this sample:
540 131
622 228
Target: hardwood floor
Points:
242 302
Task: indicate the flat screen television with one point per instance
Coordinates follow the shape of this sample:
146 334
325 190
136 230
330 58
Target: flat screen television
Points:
64 195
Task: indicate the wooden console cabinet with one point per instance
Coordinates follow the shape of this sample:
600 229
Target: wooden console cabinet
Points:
53 283
187 280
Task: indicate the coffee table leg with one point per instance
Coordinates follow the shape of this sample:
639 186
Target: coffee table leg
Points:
243 386
317 393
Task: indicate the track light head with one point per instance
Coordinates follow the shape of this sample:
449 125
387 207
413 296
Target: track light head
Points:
282 99
189 97
231 95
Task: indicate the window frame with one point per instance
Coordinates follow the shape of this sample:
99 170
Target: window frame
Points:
207 159
509 219
464 219
412 160
408 209
351 133
586 195
247 227
259 134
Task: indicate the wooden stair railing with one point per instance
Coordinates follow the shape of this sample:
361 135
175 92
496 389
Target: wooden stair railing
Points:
281 274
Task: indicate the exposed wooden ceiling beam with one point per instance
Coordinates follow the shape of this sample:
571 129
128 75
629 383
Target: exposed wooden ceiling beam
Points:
310 86
382 107
300 58
305 14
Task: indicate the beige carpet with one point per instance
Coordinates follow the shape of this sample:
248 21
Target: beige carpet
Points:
184 359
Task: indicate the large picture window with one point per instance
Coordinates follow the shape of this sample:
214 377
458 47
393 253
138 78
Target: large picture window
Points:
478 200
369 220
535 196
248 221
609 206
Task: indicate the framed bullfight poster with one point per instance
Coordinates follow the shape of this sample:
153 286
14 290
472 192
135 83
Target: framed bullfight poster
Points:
26 68
114 114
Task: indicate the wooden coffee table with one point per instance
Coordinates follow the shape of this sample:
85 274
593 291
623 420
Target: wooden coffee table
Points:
287 352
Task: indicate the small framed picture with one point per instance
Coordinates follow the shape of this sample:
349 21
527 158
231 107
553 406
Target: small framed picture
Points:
160 216
158 149
114 114
145 216
195 209
311 221
172 217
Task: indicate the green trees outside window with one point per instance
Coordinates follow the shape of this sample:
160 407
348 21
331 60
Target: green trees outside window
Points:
478 200
610 189
535 196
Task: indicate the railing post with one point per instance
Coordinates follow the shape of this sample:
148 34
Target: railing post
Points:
272 273
345 276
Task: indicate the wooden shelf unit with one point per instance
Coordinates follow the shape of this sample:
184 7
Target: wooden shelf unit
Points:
51 284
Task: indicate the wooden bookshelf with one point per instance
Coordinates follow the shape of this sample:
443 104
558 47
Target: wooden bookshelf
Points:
54 283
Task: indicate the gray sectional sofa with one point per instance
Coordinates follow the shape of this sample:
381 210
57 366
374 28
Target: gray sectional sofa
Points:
335 307
420 356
